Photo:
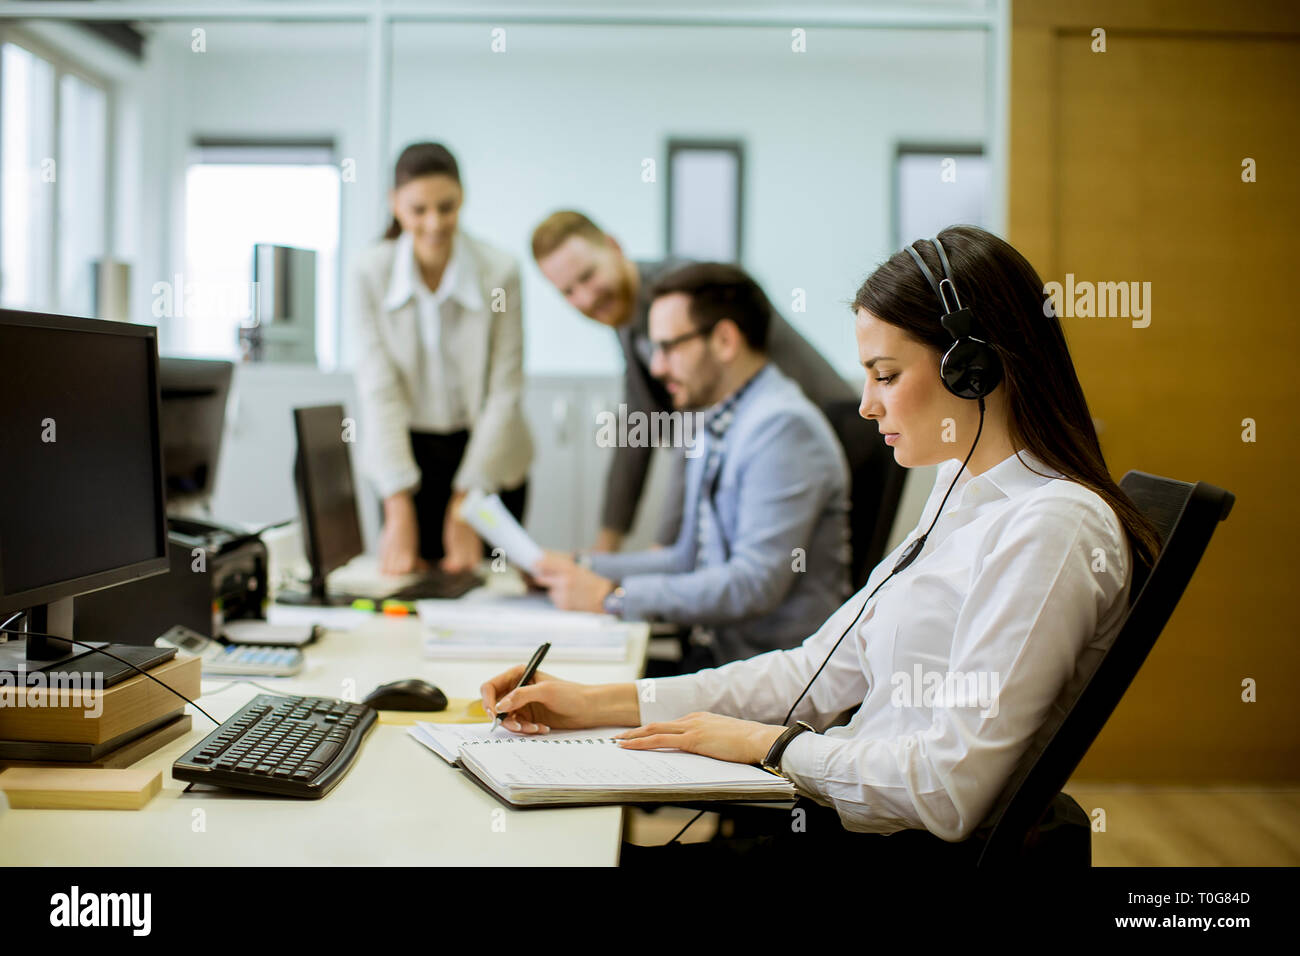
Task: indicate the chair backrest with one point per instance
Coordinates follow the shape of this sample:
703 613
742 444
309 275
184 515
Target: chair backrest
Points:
1186 516
875 487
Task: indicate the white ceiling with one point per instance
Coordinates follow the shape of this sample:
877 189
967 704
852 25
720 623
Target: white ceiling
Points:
415 36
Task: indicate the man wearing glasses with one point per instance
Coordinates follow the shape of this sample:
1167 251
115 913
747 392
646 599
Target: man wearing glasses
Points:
589 269
760 558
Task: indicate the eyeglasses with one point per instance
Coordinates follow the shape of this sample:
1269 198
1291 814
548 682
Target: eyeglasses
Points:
668 345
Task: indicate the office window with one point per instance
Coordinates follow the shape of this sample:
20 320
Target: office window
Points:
27 162
936 187
238 195
53 180
705 195
82 181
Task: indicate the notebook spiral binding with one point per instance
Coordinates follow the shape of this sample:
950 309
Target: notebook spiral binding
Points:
540 740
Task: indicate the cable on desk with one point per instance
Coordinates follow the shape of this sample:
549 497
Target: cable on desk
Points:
73 640
279 692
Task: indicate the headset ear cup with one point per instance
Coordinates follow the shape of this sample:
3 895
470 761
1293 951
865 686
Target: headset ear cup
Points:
971 368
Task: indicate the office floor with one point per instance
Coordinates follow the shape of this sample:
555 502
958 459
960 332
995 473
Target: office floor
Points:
1144 826
1193 826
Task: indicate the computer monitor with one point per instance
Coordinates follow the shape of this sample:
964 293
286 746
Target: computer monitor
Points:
331 528
193 414
81 487
327 499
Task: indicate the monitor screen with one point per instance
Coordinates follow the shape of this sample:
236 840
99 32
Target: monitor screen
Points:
328 500
193 415
81 482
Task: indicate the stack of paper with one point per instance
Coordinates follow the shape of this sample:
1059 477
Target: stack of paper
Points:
608 644
465 630
509 614
330 618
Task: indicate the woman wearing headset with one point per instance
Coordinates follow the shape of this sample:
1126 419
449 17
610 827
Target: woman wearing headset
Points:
999 602
439 332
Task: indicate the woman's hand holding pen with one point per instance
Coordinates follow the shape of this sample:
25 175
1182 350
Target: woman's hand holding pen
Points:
552 704
549 703
712 735
536 707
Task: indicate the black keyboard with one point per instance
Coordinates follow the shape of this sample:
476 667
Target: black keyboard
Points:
290 746
437 584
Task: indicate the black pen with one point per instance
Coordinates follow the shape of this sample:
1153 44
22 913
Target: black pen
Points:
529 671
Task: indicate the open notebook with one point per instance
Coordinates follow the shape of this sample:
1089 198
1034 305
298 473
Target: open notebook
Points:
588 767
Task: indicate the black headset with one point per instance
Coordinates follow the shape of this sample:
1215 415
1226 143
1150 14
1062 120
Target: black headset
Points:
971 368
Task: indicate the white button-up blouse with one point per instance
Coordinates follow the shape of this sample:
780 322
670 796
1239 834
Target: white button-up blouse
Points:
438 404
958 663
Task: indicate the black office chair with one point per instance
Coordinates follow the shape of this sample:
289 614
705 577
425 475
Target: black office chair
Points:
1033 823
875 487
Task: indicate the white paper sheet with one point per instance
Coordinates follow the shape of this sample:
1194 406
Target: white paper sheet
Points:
495 524
528 619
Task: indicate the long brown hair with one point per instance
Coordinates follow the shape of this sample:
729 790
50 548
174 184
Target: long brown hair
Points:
1048 413
421 159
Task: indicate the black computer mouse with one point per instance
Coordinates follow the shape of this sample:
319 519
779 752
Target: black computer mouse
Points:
412 694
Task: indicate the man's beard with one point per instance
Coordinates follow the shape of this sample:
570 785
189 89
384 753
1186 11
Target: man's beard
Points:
703 392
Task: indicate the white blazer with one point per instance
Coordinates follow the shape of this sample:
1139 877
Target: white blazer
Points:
488 347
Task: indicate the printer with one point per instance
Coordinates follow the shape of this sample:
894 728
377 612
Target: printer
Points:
217 574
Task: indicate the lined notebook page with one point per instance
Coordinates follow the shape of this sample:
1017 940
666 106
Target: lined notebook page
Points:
445 739
601 764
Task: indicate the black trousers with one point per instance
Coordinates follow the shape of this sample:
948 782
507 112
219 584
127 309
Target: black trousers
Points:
786 838
438 456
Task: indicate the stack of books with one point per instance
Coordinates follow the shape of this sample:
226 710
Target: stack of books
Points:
67 721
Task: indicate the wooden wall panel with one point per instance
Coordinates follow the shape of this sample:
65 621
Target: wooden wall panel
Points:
1126 166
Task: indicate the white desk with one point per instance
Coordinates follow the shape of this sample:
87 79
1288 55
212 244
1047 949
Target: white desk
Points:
398 805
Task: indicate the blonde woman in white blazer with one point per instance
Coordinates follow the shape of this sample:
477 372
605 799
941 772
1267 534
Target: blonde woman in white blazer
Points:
438 326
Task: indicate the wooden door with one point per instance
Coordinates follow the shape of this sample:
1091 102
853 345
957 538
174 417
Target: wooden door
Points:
1127 166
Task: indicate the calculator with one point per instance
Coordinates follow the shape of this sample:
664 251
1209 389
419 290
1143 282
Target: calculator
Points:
218 659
